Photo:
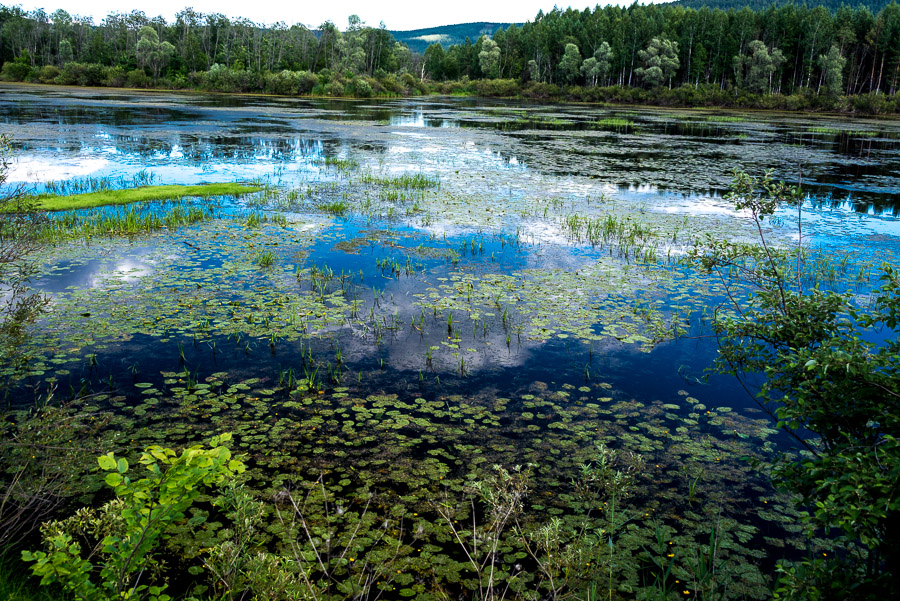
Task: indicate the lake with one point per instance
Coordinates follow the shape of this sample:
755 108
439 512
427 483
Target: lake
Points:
431 287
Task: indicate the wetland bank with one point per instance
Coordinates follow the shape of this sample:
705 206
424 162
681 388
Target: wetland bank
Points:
461 337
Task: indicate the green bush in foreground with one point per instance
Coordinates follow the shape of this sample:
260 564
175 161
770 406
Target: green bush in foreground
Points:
129 529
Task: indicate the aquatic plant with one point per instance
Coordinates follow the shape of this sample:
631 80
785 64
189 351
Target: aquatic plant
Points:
849 132
84 185
417 181
264 259
117 221
615 122
107 197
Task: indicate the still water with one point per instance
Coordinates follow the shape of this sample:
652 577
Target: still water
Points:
416 296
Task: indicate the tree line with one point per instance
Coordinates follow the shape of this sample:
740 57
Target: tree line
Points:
779 50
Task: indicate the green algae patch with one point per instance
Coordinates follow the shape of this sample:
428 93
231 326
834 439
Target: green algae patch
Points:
142 194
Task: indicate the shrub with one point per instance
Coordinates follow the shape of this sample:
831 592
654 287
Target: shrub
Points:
81 74
335 88
14 71
362 88
409 81
826 374
128 529
497 87
137 78
49 73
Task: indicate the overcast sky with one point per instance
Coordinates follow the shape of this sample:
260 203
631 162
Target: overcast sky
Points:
397 14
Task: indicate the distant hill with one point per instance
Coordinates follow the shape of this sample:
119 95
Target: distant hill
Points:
447 35
760 5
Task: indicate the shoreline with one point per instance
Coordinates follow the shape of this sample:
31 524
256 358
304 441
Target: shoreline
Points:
563 98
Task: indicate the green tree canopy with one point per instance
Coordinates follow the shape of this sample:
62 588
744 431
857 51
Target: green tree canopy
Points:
489 58
570 63
660 62
756 69
152 53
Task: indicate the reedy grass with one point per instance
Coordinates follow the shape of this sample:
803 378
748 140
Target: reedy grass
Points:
725 119
82 185
128 221
264 259
417 181
849 132
54 202
339 163
613 122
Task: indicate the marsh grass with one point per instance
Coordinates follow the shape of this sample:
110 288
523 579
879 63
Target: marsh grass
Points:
725 119
850 132
118 221
264 259
339 163
338 208
83 185
613 122
56 202
416 181
632 238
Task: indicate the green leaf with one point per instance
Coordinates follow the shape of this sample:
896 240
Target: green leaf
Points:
113 479
107 462
122 465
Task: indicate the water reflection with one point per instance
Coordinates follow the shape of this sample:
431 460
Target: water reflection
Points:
65 133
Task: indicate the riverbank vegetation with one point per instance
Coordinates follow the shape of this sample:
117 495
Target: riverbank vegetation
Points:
780 57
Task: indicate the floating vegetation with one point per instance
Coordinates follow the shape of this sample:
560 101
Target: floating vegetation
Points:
726 118
859 133
614 122
471 307
105 197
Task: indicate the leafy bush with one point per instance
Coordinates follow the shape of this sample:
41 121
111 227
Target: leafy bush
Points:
334 88
49 73
830 371
127 530
14 71
82 74
137 78
362 88
224 79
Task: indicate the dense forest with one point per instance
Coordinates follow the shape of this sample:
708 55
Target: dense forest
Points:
780 50
833 5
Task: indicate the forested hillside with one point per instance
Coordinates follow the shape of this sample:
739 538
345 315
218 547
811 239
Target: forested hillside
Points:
780 50
447 35
832 5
